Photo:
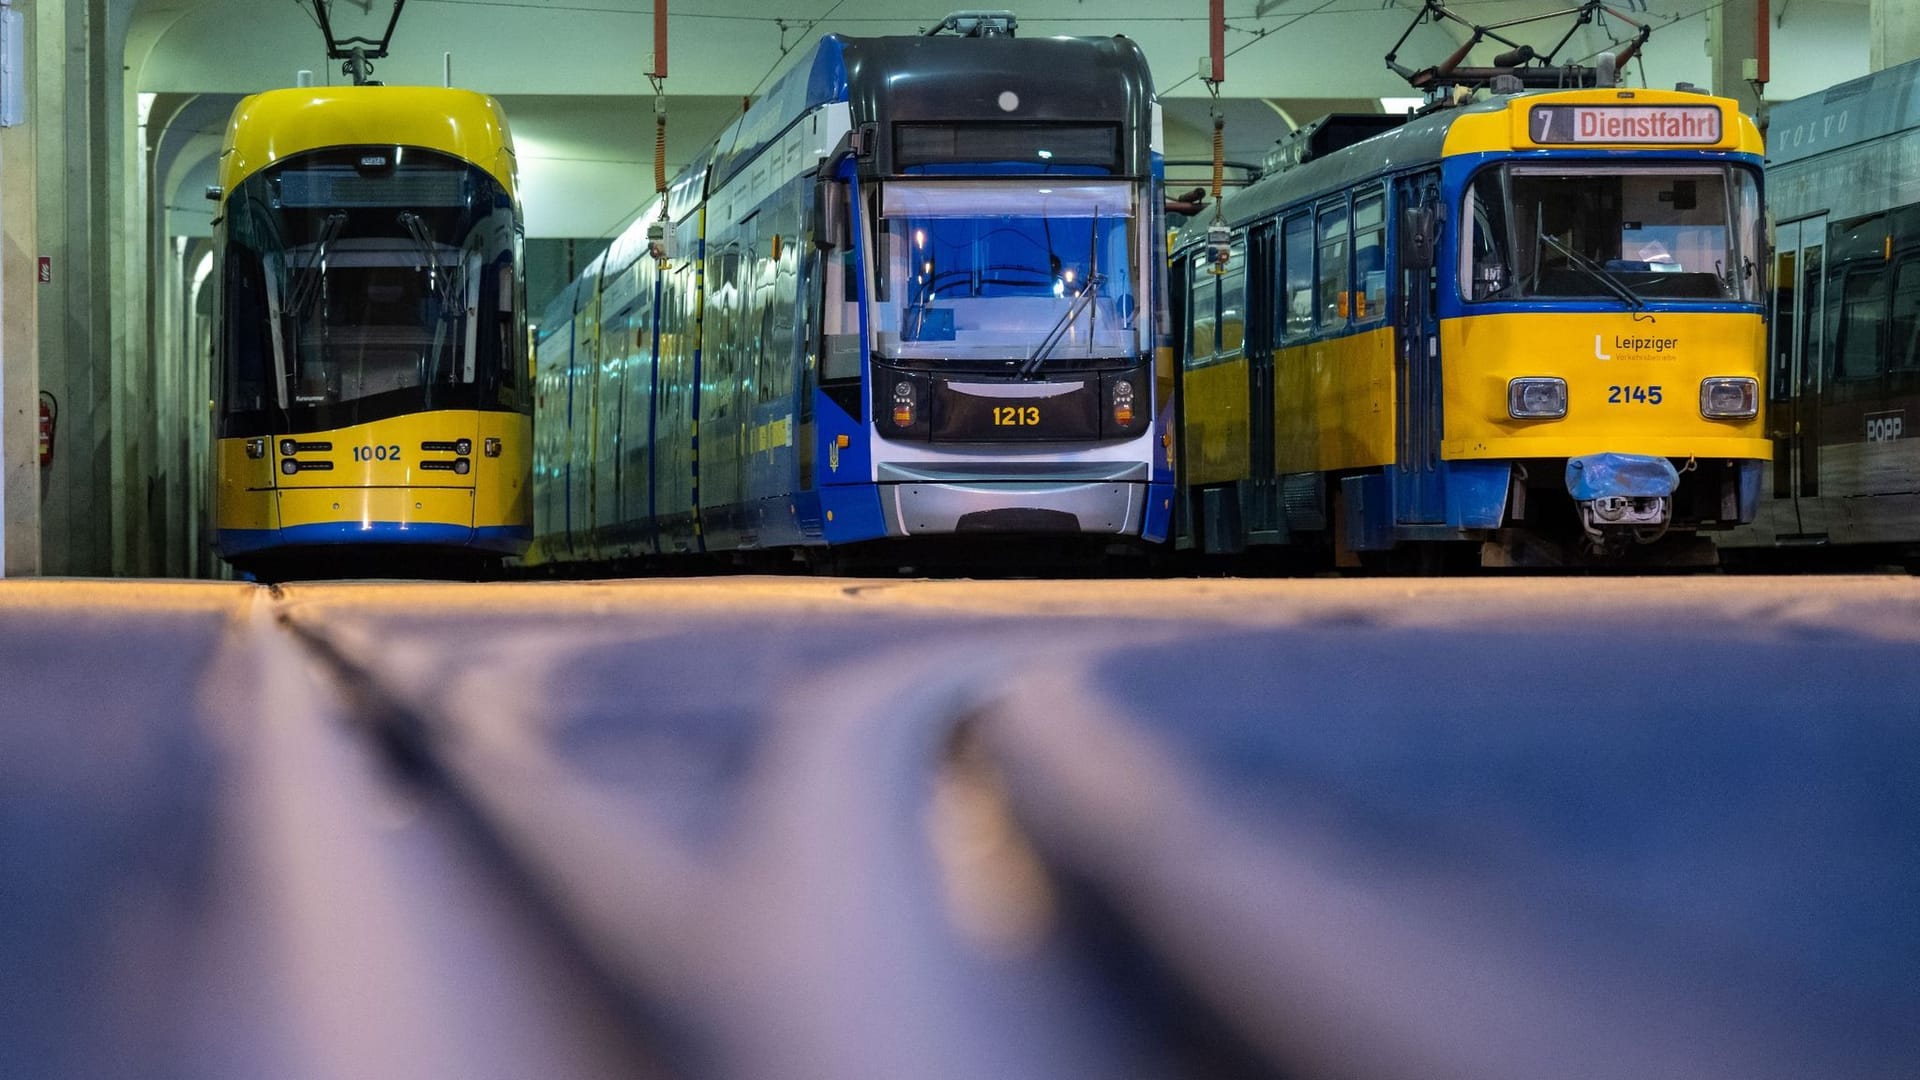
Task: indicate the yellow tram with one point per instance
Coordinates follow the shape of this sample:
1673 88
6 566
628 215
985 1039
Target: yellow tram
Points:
1529 328
371 381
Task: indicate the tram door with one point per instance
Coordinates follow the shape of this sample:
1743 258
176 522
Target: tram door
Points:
1179 283
1261 507
1795 366
1418 495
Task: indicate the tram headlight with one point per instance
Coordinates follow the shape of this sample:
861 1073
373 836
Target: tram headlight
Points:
903 404
1122 403
1537 398
1125 402
1730 398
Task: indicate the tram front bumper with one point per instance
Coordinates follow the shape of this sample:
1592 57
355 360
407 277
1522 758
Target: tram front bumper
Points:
1622 491
1013 507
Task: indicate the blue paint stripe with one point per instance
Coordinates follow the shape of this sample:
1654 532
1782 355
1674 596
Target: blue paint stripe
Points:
230 542
511 539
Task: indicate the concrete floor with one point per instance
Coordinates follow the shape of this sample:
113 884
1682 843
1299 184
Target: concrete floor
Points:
800 827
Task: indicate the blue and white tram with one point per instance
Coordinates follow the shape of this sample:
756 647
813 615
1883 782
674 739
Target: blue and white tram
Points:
915 291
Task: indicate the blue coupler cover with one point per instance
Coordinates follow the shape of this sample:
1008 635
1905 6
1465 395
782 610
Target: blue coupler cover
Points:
1600 476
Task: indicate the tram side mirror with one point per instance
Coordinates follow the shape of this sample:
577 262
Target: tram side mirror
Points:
1419 232
830 216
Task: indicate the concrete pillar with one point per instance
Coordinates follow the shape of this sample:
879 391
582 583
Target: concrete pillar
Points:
1733 30
73 506
1893 33
180 154
121 208
95 493
19 323
197 315
197 326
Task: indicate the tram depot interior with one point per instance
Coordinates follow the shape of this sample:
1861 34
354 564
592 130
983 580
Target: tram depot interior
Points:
732 806
114 109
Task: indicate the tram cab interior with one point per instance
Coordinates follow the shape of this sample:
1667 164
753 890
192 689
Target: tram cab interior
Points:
1656 231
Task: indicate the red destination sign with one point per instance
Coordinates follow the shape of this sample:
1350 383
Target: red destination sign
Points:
1685 125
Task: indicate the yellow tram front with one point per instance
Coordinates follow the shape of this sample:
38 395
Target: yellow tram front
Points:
371 377
1605 331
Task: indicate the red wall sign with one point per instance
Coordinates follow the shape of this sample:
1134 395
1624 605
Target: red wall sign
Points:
46 269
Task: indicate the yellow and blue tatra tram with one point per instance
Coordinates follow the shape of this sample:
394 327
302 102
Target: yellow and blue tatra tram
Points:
1528 329
372 386
912 296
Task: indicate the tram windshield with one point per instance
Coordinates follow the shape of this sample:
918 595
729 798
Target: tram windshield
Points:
367 278
990 270
1576 230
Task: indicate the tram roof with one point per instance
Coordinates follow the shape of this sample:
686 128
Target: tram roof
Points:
1480 126
274 125
898 77
1849 113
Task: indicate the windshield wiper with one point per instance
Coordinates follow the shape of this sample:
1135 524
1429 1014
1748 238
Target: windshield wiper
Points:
306 284
443 283
1059 331
1093 271
449 290
1602 275
923 304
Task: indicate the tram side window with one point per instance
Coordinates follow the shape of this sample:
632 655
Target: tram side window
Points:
1863 309
1202 308
1752 235
249 371
1490 271
1233 302
1906 318
1786 314
1369 257
1335 244
509 331
839 316
1297 253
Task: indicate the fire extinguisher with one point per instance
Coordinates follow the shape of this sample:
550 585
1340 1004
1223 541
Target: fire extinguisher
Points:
49 416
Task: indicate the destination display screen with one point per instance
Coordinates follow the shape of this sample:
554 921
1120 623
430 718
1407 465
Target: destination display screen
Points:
1000 141
329 188
1666 124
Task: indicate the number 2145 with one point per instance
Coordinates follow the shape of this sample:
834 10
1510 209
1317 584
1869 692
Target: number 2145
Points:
1629 395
